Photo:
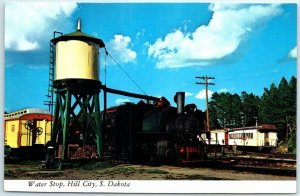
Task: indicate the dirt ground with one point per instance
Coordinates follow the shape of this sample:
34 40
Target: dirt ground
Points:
131 172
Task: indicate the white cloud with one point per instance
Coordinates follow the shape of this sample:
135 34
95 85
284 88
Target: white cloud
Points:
228 27
293 53
223 90
26 23
202 94
188 94
140 34
119 49
120 101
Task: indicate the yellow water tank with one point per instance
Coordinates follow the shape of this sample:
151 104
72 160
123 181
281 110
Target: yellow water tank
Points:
77 56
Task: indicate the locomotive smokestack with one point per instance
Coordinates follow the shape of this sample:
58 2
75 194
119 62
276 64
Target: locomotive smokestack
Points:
179 99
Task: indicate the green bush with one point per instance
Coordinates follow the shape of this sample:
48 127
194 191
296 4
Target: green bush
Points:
292 143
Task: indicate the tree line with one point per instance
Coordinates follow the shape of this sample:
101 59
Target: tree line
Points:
276 106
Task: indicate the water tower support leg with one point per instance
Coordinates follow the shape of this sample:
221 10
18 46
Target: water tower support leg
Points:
66 126
98 125
54 130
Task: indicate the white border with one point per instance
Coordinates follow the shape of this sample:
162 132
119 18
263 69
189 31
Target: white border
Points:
148 186
142 186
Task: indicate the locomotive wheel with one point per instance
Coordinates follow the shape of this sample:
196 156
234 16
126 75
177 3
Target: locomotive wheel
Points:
39 131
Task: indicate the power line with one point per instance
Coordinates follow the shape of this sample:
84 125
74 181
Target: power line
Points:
206 83
132 80
105 66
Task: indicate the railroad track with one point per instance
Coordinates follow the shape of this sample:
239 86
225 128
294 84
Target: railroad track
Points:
261 165
263 161
272 155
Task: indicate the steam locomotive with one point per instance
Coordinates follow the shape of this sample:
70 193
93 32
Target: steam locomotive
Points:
157 132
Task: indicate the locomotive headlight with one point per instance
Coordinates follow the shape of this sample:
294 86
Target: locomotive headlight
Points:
181 150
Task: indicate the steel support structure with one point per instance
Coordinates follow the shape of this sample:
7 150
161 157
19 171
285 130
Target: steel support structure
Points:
77 102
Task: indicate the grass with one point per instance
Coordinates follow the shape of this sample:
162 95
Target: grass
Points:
193 177
31 162
130 170
155 171
8 173
93 166
18 171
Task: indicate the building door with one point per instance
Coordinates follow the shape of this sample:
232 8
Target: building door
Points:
226 138
267 143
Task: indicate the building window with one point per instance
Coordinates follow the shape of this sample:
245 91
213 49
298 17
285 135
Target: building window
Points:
12 128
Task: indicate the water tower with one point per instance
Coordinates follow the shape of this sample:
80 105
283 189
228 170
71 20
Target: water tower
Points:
75 73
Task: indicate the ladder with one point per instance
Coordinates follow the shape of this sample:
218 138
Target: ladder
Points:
49 102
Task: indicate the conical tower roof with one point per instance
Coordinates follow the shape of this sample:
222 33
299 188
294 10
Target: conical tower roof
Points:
78 35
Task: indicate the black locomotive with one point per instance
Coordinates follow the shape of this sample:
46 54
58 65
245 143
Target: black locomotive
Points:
154 132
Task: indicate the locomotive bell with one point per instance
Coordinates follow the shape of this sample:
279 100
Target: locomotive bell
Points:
77 56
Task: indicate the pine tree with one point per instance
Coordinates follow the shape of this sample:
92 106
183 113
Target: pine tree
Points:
250 105
291 120
284 99
276 106
268 108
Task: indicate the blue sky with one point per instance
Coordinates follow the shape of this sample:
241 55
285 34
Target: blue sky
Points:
162 46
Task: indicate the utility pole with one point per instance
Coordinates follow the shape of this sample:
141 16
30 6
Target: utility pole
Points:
206 83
